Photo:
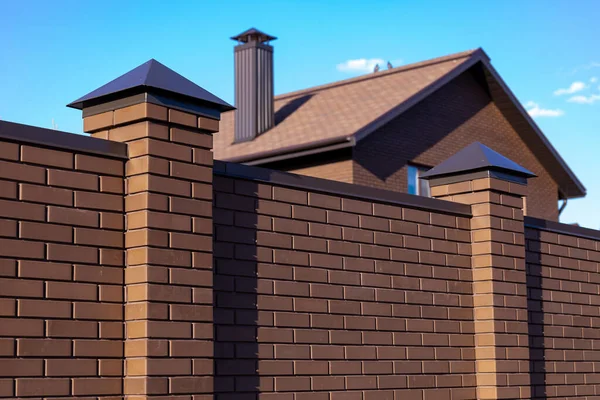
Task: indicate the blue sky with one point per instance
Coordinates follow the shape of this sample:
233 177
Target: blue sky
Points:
54 52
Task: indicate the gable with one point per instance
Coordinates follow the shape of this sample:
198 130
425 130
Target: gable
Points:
447 121
333 113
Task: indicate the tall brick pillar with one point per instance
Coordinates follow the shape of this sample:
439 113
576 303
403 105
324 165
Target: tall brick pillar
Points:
494 186
167 122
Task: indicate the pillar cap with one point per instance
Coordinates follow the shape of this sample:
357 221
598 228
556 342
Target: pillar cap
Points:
476 158
157 79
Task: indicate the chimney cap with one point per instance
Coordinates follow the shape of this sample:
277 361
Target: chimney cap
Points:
151 76
477 157
253 34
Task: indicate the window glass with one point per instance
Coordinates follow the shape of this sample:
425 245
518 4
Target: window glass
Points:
413 176
416 185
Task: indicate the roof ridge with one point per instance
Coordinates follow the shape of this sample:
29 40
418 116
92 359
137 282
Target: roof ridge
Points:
403 68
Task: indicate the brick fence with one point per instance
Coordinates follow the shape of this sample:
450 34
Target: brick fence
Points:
133 266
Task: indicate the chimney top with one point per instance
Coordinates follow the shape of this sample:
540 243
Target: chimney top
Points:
253 35
152 77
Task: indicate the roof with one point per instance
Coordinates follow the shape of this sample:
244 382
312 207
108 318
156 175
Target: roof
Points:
477 157
342 113
153 75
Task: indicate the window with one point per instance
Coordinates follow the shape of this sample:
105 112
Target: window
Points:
417 185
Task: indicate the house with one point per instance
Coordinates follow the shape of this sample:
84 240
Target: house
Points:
385 128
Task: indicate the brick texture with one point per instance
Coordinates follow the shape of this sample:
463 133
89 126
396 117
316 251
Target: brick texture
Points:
321 296
61 275
168 273
563 298
499 284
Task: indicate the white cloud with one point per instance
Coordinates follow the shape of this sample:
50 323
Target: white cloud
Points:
591 99
574 88
361 65
593 79
536 111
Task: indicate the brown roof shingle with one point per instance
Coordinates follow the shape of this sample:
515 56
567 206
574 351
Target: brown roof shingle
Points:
336 110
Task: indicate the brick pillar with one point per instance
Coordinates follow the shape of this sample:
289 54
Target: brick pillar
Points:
499 277
168 237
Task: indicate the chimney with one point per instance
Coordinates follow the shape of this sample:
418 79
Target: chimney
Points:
253 85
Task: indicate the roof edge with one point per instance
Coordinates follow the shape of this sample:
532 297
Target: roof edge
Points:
318 146
464 54
537 130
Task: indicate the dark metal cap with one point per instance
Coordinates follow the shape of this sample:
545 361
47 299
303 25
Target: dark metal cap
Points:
253 35
477 157
151 76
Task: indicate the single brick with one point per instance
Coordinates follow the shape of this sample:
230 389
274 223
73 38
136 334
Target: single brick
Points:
42 156
45 194
139 112
22 211
77 254
43 347
98 122
99 201
70 367
45 232
99 165
182 118
191 137
73 216
9 151
22 172
71 179
44 308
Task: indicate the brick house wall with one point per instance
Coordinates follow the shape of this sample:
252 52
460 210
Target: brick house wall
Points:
446 121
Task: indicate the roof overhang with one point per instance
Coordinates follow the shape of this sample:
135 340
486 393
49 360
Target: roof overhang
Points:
287 153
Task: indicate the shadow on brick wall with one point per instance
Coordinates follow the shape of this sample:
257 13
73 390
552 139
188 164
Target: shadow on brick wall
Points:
235 290
535 315
441 115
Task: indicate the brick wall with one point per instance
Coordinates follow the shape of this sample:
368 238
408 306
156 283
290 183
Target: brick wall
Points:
564 313
61 273
330 297
315 289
